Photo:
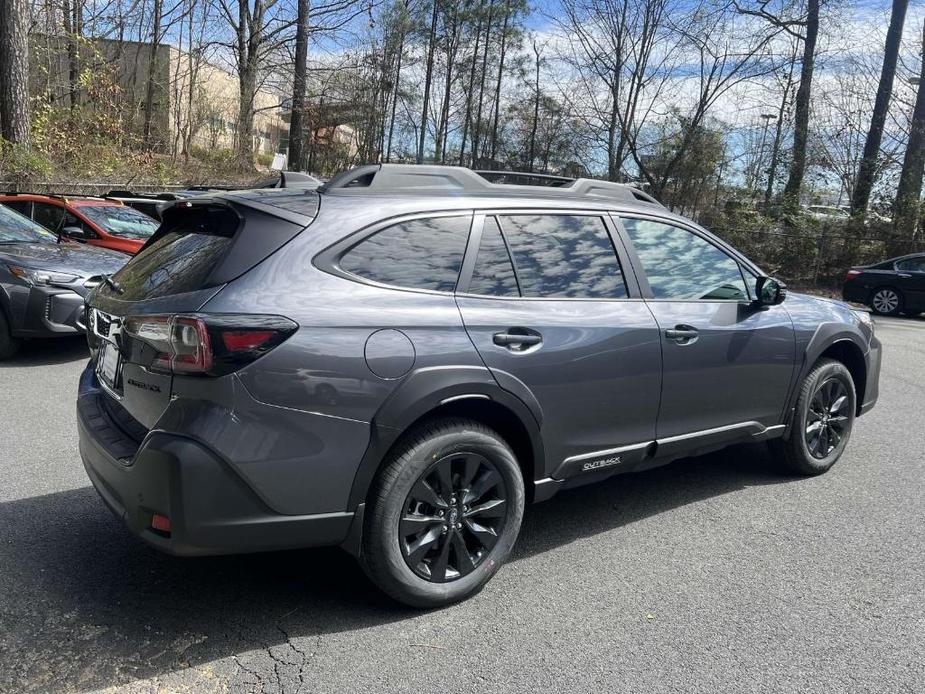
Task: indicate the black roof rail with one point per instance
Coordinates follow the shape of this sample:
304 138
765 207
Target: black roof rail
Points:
422 178
524 178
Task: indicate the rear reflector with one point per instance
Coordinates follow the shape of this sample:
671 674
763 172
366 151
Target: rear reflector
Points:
238 340
160 523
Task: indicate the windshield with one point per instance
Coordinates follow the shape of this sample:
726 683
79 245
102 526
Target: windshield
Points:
15 228
124 222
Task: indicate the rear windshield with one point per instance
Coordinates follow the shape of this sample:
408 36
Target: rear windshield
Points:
124 222
178 262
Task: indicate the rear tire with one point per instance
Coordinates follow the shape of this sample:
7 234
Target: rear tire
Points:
886 301
9 345
443 514
821 422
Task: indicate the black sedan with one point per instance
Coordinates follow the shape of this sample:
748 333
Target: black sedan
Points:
890 287
43 282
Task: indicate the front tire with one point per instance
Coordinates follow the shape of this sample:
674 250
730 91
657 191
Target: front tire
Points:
821 422
886 301
443 514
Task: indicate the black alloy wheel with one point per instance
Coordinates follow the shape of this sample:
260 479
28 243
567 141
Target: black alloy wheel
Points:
453 517
827 418
821 422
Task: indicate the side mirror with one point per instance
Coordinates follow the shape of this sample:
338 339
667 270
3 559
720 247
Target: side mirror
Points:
74 233
769 291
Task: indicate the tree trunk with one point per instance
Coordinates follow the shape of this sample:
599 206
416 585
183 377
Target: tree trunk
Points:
868 166
536 110
801 111
778 132
467 120
158 10
297 114
909 191
71 14
494 125
14 70
395 92
477 130
428 78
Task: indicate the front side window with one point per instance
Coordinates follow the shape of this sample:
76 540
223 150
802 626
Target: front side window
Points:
563 256
49 216
683 266
417 254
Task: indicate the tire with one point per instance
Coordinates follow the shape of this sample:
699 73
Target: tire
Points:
807 452
412 548
886 301
9 345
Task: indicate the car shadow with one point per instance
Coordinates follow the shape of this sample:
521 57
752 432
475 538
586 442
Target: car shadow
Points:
86 605
47 351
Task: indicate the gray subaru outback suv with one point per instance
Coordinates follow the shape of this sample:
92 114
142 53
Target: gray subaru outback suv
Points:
398 362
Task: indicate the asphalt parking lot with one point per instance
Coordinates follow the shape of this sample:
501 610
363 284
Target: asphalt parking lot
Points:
714 574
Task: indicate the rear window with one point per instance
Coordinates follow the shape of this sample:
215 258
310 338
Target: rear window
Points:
178 262
418 254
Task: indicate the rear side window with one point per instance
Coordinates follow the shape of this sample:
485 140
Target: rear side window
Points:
417 254
493 274
911 265
563 256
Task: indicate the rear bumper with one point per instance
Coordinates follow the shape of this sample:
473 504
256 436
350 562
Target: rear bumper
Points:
852 291
211 509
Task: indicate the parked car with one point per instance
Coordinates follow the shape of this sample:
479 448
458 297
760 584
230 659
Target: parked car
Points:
43 282
94 221
889 287
499 343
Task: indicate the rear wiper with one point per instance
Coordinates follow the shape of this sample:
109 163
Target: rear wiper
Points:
116 287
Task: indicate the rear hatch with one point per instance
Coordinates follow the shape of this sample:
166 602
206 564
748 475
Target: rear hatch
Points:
143 325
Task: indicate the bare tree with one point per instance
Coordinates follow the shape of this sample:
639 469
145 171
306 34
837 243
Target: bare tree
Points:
867 169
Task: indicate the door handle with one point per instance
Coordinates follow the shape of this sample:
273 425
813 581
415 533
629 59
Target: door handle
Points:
682 334
517 339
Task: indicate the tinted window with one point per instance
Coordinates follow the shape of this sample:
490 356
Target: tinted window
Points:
563 256
911 265
180 261
682 265
49 216
493 273
20 206
419 254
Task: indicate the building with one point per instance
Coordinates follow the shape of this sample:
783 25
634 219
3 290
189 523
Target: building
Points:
114 74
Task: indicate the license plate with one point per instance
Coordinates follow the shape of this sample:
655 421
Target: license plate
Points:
108 364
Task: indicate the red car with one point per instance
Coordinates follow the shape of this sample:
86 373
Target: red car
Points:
94 221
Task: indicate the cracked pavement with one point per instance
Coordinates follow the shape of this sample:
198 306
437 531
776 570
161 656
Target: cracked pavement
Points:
714 574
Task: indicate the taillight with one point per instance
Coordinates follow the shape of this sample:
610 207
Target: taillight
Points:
851 274
210 345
